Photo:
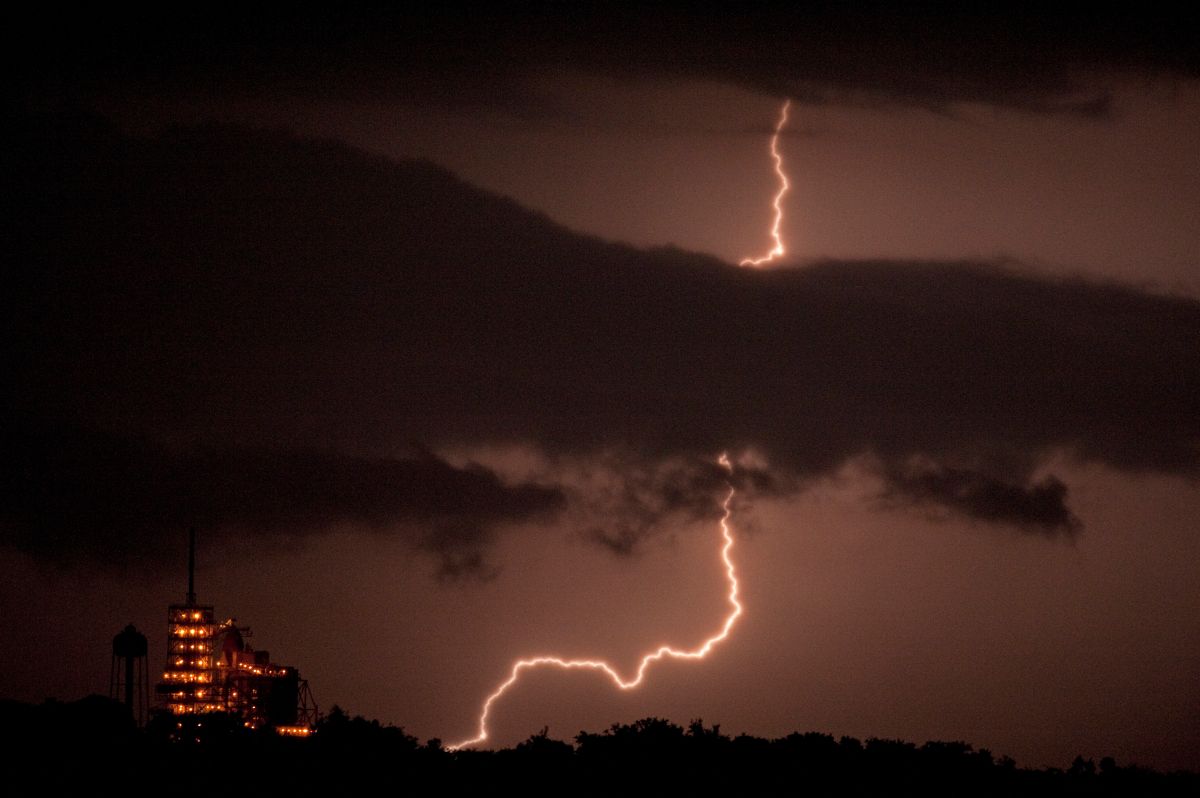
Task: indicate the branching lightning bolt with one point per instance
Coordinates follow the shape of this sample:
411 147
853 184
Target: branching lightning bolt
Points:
659 653
778 250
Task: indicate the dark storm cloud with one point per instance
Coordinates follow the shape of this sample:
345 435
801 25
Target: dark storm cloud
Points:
1037 507
67 493
214 289
1038 57
647 492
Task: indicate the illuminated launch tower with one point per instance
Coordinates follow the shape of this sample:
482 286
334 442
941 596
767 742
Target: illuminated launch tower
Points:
211 668
189 684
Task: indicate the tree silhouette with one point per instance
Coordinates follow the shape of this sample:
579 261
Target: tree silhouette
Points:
350 754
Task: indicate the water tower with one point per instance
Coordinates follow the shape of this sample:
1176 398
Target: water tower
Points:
128 680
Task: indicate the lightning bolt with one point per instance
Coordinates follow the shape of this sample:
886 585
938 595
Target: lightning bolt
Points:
778 250
662 652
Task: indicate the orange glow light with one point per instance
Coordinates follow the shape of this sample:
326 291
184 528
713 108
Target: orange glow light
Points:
659 653
778 250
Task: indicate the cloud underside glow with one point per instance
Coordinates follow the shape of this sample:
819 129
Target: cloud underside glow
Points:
257 310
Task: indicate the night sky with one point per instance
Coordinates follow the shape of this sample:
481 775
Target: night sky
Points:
432 325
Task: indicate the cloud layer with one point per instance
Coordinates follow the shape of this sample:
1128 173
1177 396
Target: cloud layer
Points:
219 291
1039 59
68 493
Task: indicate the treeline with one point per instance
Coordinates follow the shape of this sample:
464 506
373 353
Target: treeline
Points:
94 745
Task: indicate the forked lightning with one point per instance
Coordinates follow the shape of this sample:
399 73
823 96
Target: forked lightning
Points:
662 652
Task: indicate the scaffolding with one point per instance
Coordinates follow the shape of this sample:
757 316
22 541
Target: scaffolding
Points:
263 693
189 678
210 668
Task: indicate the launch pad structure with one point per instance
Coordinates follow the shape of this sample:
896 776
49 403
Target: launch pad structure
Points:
211 668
